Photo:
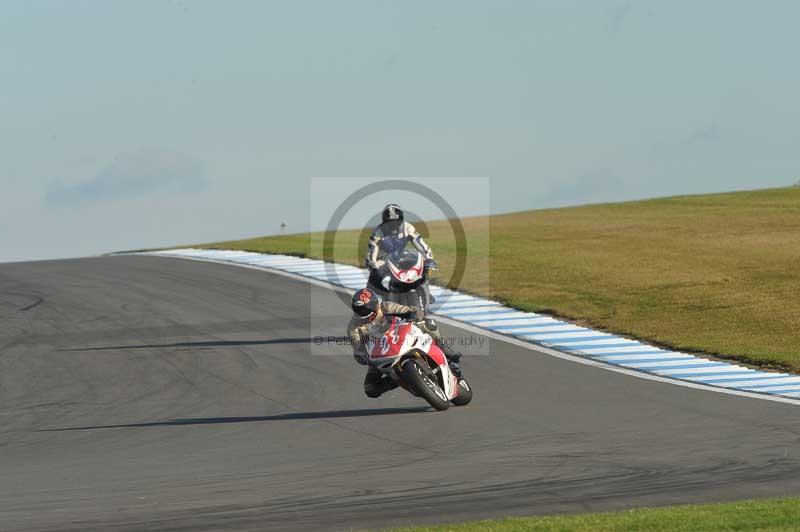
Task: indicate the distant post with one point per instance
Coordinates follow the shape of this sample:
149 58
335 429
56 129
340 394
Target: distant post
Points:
284 225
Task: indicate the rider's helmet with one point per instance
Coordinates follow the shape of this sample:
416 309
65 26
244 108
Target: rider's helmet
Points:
366 303
392 217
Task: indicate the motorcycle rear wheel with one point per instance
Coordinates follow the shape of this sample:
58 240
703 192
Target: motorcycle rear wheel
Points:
464 393
424 384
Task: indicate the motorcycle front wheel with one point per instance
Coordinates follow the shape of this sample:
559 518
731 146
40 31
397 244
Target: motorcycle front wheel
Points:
424 384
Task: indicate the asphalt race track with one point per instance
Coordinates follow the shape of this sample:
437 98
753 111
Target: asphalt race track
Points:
163 394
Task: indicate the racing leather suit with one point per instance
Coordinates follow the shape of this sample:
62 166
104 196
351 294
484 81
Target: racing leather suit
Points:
383 241
360 328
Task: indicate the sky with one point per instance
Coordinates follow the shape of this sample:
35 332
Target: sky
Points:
132 124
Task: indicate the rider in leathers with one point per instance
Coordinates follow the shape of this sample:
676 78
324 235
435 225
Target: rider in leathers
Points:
372 317
391 235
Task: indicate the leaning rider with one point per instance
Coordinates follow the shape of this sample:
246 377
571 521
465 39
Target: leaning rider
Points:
391 235
372 317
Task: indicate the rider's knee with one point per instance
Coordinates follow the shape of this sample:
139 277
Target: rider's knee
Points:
373 391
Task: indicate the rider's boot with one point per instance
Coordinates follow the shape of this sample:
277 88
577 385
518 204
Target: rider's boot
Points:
432 328
449 353
453 358
455 368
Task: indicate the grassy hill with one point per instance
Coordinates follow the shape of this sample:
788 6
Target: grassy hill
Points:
776 515
712 273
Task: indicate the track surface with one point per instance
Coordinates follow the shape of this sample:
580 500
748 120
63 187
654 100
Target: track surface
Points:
143 392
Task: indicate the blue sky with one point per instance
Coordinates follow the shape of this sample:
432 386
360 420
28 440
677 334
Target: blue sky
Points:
134 124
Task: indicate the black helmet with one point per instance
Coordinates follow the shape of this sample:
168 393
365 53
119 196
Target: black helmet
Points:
365 302
392 213
392 217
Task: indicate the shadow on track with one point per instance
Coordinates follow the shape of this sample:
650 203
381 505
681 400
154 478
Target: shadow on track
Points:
331 414
217 343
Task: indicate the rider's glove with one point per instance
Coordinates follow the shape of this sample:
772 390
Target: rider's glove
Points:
431 264
361 358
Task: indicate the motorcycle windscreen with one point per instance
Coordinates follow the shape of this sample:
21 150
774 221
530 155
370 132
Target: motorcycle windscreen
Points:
406 265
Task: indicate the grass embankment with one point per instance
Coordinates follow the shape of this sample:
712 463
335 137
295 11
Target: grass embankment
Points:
712 273
765 516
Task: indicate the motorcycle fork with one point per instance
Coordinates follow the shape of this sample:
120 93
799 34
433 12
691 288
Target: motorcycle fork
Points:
427 367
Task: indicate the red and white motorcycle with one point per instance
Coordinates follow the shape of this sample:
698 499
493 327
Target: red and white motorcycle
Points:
411 357
404 279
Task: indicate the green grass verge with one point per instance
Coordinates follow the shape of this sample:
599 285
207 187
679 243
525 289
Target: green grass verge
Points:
713 273
766 516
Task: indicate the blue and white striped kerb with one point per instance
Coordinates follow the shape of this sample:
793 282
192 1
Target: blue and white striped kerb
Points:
536 328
